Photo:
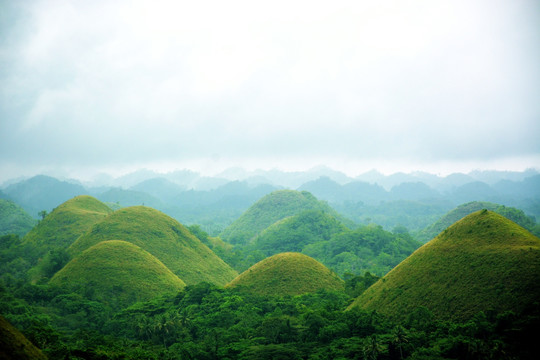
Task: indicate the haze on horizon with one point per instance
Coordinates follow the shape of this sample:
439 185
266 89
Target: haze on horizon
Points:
113 86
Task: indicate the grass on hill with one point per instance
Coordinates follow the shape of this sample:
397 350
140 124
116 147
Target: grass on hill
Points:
118 273
46 244
287 274
15 346
482 262
67 222
164 238
269 209
516 215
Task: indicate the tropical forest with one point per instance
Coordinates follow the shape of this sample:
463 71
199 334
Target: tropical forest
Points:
306 265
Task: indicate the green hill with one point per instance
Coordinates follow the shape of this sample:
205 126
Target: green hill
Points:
163 237
295 232
67 222
269 209
14 220
287 274
15 346
118 273
482 262
45 245
516 215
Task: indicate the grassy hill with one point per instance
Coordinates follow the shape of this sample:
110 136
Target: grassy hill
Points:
46 243
15 346
118 273
269 209
516 215
482 262
287 274
164 238
14 220
295 232
67 222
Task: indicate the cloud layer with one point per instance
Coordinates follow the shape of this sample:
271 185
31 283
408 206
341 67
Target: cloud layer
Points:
110 83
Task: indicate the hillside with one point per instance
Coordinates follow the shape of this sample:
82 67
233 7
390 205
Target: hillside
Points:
269 209
164 238
15 346
516 215
295 232
14 220
287 274
48 240
482 262
118 273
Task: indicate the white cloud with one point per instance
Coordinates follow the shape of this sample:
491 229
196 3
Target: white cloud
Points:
177 81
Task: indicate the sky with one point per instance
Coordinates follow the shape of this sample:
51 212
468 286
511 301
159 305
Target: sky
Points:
112 86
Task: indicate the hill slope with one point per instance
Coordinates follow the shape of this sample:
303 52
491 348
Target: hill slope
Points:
15 346
269 209
46 243
483 261
287 274
295 232
14 220
119 273
516 215
164 238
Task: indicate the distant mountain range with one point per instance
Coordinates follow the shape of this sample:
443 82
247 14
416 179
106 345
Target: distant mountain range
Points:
412 200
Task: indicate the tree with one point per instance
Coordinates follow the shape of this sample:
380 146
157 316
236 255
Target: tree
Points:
43 213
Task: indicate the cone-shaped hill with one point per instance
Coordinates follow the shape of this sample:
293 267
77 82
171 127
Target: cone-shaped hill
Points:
164 238
516 215
269 209
67 222
295 232
118 273
482 262
15 346
287 274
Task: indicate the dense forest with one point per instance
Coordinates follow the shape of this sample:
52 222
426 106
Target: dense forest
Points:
269 272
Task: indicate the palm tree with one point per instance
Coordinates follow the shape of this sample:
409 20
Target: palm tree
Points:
399 337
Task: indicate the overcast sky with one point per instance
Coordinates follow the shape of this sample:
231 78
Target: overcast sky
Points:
432 85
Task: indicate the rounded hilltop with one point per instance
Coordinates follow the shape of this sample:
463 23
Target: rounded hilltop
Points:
287 274
482 262
163 237
271 208
117 273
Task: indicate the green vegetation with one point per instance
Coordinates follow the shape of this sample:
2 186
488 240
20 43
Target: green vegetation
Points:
14 220
47 243
164 238
516 215
14 346
271 208
368 248
483 262
287 274
295 232
118 274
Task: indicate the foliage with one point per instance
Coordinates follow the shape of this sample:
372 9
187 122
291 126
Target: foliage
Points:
14 220
368 248
271 208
